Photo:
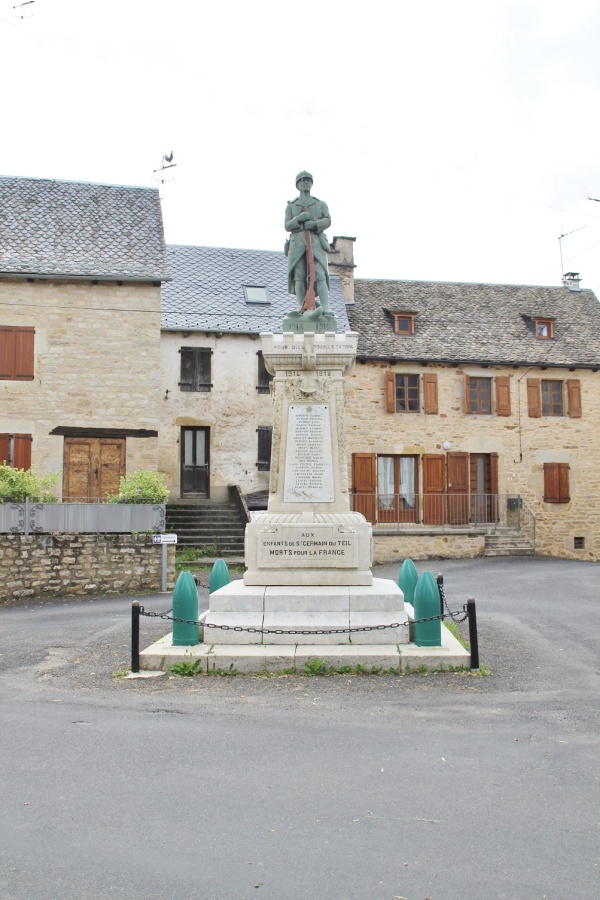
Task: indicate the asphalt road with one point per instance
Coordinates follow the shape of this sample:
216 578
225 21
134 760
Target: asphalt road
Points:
447 787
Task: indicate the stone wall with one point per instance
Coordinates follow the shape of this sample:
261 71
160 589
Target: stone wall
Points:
46 565
390 548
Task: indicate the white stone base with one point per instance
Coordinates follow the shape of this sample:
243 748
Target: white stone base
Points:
253 658
309 609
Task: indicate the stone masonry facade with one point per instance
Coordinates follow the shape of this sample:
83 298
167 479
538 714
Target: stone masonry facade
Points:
56 565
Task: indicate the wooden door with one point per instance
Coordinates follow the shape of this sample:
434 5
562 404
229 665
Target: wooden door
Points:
484 487
434 485
458 488
365 484
92 467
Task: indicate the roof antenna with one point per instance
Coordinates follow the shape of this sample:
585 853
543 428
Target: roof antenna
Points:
166 163
22 12
564 235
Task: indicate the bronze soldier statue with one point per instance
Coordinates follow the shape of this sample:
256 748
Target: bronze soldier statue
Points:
306 218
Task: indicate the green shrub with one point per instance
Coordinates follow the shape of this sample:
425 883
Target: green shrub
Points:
141 487
17 484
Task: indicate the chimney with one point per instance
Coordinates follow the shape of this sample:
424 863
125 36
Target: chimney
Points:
341 262
572 281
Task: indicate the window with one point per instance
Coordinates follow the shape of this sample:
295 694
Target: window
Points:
195 369
15 450
403 392
265 435
256 294
480 395
546 397
552 398
544 329
264 378
404 323
556 483
16 353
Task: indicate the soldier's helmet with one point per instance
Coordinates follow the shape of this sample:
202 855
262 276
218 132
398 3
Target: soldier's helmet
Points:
301 175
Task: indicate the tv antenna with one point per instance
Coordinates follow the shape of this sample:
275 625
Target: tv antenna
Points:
564 235
166 163
20 11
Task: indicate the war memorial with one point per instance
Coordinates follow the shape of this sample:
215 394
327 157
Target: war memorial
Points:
308 590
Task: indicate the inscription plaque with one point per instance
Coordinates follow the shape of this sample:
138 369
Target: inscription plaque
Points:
307 546
308 457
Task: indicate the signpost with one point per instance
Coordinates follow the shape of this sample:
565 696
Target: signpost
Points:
165 540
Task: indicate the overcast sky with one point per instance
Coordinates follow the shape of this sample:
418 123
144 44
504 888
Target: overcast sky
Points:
455 140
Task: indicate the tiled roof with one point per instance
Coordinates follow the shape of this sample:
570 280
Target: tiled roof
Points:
206 291
76 229
485 323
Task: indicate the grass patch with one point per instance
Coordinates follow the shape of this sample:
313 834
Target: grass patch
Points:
451 626
187 668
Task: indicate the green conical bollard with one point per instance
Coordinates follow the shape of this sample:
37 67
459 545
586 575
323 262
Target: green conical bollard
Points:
185 606
407 581
427 603
219 576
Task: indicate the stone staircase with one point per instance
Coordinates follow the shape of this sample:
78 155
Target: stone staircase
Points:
207 523
507 542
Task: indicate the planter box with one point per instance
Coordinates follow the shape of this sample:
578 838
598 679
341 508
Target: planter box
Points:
90 518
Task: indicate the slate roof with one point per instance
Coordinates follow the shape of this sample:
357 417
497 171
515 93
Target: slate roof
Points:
76 229
479 323
206 291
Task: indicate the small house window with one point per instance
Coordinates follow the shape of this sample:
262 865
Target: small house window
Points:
407 393
552 398
16 353
544 329
15 450
265 435
480 395
556 483
264 378
256 293
404 323
195 369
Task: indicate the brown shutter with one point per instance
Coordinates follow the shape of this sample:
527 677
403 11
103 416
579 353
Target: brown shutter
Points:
3 449
24 354
457 475
390 392
574 398
365 484
434 485
22 451
7 352
556 483
430 393
502 395
493 487
534 397
467 395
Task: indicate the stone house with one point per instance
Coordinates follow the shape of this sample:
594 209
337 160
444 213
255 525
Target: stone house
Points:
475 408
215 407
81 267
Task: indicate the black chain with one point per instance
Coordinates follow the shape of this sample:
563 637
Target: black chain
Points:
453 615
250 630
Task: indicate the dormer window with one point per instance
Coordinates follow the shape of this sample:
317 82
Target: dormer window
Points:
256 293
544 329
404 323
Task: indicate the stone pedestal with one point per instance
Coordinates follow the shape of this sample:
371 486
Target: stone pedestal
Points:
309 556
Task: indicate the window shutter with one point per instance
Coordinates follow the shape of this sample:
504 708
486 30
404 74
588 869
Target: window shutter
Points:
502 395
390 392
22 451
430 393
467 395
264 377
186 380
202 379
556 483
534 397
3 449
265 437
24 354
7 352
574 398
